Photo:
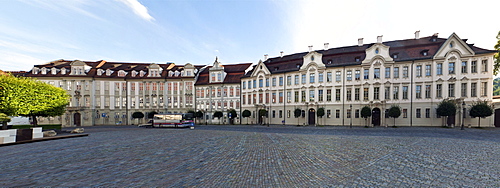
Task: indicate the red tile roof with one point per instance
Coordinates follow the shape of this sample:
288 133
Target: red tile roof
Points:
233 76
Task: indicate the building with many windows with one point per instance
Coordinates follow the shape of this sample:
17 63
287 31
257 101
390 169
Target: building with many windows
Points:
414 74
218 89
104 93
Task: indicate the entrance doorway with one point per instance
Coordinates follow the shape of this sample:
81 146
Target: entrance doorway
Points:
451 120
497 117
77 119
312 116
376 117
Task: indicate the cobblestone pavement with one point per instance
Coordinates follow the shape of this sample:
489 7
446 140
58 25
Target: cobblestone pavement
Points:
258 156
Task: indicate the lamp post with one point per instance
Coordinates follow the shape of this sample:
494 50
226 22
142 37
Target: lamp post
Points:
350 115
463 115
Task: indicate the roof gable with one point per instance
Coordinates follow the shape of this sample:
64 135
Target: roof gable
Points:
454 45
261 68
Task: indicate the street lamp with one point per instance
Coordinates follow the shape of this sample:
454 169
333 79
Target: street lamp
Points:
350 115
463 115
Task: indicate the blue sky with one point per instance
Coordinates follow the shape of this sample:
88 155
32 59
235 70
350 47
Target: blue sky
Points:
39 31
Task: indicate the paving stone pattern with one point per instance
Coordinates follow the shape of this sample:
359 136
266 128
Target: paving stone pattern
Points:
257 156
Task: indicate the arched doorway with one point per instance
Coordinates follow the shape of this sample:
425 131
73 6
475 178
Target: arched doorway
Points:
497 117
312 116
376 117
77 119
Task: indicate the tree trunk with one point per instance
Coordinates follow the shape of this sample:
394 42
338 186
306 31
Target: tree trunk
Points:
35 121
479 122
4 126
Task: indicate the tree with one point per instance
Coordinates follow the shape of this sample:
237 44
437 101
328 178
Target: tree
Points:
198 114
496 57
321 112
394 112
232 113
218 114
246 114
296 113
496 86
481 109
4 119
137 115
21 96
366 112
446 108
152 114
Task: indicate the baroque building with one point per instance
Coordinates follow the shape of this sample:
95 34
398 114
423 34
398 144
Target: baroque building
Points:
414 74
105 93
218 89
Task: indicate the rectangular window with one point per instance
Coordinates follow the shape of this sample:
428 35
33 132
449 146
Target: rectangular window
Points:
249 84
405 72
451 68
328 95
464 66
356 94
484 89
418 92
296 79
337 113
357 75
366 74
281 81
281 97
280 113
439 69
418 114
320 77
303 79
451 90
329 76
376 73
267 82
473 67
337 76
244 84
356 113
484 66
405 113
418 71
376 93
348 113
349 75
405 92
427 91
349 94
273 82
311 78
289 80
288 113
388 72
365 93
427 113
328 113
254 83
395 94
473 89
311 95
320 95
288 96
439 93
303 96
396 72
296 96
387 93
464 89
273 99
261 83
427 70
337 94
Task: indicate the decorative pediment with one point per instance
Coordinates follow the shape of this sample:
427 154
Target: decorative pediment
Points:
452 79
261 69
439 80
454 45
77 63
377 54
387 82
464 78
313 59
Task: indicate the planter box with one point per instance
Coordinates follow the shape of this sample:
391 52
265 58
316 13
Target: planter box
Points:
37 132
8 136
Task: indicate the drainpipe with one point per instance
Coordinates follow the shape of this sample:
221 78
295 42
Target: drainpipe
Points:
343 101
411 92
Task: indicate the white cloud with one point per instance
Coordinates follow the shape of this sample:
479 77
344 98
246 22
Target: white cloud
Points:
12 61
138 9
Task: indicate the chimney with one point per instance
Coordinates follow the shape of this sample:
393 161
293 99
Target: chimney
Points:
360 42
326 46
281 54
265 57
310 48
417 34
379 39
435 35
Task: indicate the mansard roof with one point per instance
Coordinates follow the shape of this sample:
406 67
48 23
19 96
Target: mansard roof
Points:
234 74
115 67
406 50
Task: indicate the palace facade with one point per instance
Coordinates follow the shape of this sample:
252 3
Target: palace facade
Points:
414 74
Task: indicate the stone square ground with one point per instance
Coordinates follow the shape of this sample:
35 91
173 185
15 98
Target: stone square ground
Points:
258 156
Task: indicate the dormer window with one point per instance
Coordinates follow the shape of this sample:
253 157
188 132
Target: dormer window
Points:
188 73
35 70
177 73
425 52
63 71
108 72
395 55
122 73
53 71
298 66
44 70
276 68
330 61
170 73
99 72
357 59
134 73
142 73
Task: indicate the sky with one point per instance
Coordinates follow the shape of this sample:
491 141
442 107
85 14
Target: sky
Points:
34 32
